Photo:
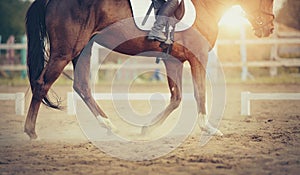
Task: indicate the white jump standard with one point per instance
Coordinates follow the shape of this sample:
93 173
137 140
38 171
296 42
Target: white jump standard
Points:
19 101
246 97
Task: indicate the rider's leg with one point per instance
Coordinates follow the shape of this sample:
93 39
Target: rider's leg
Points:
166 11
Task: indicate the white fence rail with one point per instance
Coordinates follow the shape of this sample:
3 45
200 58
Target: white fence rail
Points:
246 98
13 46
19 99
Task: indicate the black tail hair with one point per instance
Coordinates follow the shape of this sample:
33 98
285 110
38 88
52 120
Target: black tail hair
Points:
36 40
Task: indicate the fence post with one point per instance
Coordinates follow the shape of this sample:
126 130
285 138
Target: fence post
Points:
243 52
94 63
71 103
0 43
212 66
20 103
245 103
274 54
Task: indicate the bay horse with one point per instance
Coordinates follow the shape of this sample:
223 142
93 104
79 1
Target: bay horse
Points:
69 25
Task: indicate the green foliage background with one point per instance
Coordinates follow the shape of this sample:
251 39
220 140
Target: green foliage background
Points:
12 18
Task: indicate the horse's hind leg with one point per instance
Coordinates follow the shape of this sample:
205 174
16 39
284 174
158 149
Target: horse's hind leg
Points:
174 75
40 89
29 127
82 85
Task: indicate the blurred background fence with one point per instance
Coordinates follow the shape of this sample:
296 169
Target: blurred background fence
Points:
244 59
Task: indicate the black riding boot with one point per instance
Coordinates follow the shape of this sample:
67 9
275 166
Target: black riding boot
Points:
166 11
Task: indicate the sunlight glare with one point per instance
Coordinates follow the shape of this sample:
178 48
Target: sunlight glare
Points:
234 18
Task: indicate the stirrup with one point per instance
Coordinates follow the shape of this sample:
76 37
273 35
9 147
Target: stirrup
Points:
167 49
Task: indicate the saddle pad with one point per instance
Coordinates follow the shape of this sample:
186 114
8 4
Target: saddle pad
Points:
140 8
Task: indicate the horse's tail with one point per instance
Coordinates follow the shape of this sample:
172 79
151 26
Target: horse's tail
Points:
36 40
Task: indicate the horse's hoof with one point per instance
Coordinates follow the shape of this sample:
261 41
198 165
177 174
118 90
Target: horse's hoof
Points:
209 130
106 123
218 133
146 130
213 132
32 135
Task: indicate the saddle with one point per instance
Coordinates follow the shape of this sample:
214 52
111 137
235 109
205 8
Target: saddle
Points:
180 21
185 15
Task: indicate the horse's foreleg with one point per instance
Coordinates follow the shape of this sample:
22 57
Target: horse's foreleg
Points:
198 70
40 89
83 87
174 76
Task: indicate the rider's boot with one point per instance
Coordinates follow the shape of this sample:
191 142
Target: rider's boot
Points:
156 32
166 11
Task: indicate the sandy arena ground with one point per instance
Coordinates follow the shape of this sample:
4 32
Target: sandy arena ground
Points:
268 142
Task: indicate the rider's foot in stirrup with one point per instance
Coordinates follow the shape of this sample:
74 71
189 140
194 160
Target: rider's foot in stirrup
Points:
157 35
